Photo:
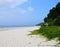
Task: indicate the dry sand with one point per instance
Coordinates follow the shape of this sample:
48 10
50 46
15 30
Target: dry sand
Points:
17 37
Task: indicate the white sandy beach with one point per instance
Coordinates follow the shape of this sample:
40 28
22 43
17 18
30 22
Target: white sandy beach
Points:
17 37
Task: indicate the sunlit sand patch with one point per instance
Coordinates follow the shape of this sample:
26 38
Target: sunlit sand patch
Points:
18 37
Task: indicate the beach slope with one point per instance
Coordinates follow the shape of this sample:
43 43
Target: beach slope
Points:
18 37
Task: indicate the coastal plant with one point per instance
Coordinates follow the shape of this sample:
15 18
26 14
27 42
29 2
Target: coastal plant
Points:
53 29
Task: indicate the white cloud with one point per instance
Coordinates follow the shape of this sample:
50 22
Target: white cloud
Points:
30 9
11 3
8 7
15 11
19 10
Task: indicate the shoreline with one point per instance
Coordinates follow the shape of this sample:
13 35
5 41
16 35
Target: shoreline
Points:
15 26
18 37
12 28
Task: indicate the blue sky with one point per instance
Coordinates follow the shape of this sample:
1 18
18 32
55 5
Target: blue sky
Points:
24 12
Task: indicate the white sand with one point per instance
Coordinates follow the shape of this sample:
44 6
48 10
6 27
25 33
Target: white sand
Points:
17 37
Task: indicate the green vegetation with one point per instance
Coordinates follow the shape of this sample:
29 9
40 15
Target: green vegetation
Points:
53 18
52 30
35 32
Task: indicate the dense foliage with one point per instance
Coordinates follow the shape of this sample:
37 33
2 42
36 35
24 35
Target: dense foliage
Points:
50 32
53 18
53 29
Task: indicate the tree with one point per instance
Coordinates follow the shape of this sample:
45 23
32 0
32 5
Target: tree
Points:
53 18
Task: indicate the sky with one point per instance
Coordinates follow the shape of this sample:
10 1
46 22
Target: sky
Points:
24 12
